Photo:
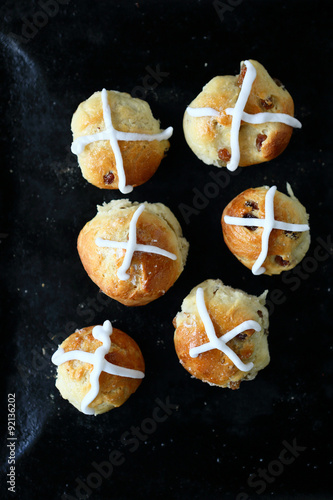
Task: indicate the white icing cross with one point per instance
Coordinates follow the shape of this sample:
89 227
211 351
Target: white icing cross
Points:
100 364
113 135
132 246
238 115
268 223
220 343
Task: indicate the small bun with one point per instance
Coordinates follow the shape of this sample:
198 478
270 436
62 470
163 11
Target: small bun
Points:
141 158
74 376
150 274
209 136
227 308
286 248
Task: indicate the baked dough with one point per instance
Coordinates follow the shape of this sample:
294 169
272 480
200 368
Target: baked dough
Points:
227 309
73 377
151 275
209 136
285 249
140 158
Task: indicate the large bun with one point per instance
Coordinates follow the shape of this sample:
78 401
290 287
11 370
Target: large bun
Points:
140 158
209 136
151 275
227 309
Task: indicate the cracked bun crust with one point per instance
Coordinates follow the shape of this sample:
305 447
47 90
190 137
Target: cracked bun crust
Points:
209 137
73 377
141 158
151 275
227 309
285 249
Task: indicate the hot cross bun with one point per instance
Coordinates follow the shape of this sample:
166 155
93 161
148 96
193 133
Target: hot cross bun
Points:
209 137
110 352
137 149
228 309
106 241
286 246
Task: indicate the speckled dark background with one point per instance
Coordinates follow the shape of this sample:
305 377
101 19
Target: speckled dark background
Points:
215 439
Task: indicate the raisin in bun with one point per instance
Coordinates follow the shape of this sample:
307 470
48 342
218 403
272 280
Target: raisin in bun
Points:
149 275
227 309
97 159
209 136
286 247
75 378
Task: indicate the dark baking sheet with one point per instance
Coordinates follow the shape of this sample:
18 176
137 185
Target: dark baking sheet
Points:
211 441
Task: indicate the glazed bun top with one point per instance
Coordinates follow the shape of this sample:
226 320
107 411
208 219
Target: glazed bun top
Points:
149 274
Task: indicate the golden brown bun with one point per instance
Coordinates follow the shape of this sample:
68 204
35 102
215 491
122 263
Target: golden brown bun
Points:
286 249
151 275
73 378
227 308
209 137
141 158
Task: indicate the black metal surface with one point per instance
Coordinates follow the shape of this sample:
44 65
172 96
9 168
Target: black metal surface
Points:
208 441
